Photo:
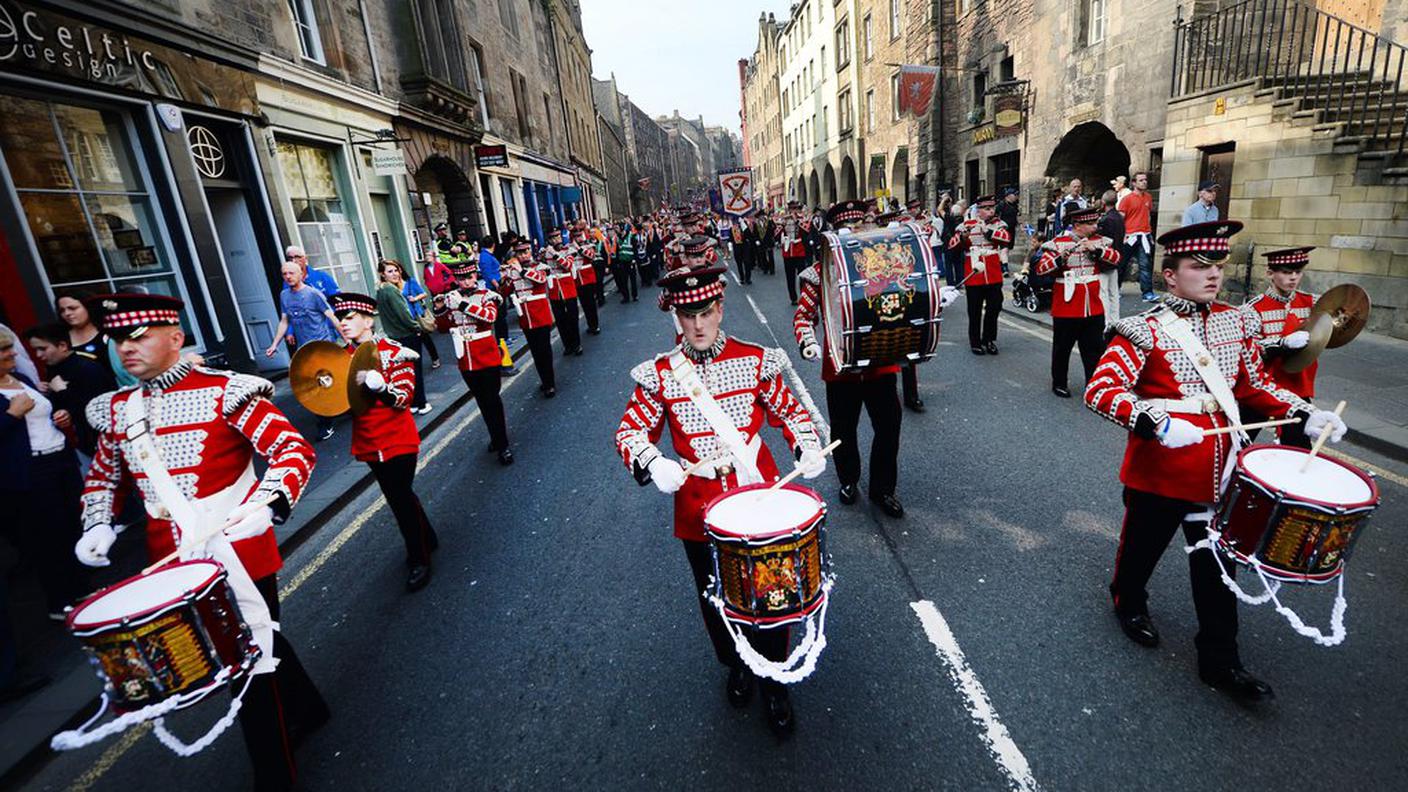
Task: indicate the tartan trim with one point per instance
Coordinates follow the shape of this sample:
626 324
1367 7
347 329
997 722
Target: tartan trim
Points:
139 318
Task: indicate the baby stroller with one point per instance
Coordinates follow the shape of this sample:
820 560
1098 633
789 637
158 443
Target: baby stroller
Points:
1032 292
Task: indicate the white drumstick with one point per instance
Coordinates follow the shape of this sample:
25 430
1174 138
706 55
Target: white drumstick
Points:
1259 425
689 471
1320 441
785 480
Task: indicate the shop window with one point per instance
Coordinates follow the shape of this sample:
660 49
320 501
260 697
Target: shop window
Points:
324 226
510 205
305 24
86 199
1004 169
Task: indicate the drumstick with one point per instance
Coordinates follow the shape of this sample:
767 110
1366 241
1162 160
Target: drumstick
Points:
689 471
785 480
1258 425
1320 441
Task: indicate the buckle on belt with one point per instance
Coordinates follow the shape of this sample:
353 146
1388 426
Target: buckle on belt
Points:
137 428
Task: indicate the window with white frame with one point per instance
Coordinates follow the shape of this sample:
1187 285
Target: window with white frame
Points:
478 83
870 110
894 97
1094 21
843 111
869 33
896 24
305 24
843 44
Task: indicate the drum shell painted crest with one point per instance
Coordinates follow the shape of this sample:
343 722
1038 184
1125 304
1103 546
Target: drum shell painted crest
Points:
1296 540
775 579
170 649
879 297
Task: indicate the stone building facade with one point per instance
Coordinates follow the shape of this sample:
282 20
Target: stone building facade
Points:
761 115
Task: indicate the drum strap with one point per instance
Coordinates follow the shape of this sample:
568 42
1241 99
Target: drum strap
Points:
746 458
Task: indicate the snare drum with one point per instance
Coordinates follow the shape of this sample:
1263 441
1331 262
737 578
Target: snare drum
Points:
164 633
879 297
769 553
1300 527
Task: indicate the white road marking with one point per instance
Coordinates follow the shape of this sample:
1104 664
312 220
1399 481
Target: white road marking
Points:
798 387
1008 756
1022 327
1382 473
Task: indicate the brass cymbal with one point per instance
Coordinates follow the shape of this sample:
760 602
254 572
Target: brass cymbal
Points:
318 374
1348 307
366 358
1320 327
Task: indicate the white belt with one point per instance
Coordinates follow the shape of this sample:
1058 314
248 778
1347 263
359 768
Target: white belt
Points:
1196 405
725 464
1070 280
532 297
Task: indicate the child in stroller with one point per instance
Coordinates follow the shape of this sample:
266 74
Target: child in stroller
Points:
1029 290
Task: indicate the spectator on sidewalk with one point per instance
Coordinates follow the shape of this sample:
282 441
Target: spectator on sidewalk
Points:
1064 205
399 325
41 484
1120 185
24 364
438 278
318 279
1137 208
1047 222
1111 226
305 316
1203 210
86 340
419 301
70 381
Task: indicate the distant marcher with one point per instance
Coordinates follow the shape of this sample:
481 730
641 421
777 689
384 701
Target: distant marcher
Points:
304 316
1203 210
399 323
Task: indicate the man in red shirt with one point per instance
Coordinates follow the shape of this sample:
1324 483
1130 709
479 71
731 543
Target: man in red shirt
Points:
385 436
1137 207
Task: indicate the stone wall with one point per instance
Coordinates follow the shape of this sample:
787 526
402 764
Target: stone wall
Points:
1290 188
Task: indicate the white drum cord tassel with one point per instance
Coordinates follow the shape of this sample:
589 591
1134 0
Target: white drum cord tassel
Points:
81 737
801 662
182 749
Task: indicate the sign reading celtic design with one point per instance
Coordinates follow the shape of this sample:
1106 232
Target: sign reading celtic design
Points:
206 152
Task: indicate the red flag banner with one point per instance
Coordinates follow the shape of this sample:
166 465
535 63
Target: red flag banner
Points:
917 87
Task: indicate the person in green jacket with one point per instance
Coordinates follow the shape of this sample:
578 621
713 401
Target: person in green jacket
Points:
398 323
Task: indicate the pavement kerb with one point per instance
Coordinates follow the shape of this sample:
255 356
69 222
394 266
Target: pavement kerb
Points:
1372 442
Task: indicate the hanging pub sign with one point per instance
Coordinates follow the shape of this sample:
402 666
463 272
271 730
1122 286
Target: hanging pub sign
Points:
1007 115
491 156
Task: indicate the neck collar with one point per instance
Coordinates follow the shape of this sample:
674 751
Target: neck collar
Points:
705 355
169 377
1181 306
1276 295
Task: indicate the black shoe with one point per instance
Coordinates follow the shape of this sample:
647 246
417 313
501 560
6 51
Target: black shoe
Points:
22 687
850 493
593 331
889 504
990 347
548 393
1062 391
505 457
418 577
577 351
740 687
1140 629
978 350
780 717
1238 684
915 405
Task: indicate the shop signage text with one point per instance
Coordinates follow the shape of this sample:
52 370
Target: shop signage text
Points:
388 162
491 156
27 37
984 133
1007 115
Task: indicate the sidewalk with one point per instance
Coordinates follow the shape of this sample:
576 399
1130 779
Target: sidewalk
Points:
46 647
1370 373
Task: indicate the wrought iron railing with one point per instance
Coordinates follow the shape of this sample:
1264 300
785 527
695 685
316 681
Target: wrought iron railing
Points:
1354 75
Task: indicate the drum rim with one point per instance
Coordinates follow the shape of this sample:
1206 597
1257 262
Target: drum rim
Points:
769 623
1275 571
725 535
1270 488
218 574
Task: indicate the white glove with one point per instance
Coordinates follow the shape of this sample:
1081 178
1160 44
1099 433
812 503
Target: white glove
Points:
667 475
811 463
947 295
1177 433
1296 340
92 548
1322 421
248 520
454 300
810 351
372 380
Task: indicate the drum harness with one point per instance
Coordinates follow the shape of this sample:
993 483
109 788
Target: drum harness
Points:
1207 368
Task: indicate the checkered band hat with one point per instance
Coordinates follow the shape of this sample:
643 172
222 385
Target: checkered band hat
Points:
687 287
885 218
132 313
1088 215
985 201
1210 241
846 212
696 245
1288 258
464 269
343 302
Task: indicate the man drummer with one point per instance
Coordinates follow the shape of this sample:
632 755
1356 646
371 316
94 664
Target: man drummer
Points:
385 436
715 392
205 427
981 239
1079 255
472 309
1279 315
1182 367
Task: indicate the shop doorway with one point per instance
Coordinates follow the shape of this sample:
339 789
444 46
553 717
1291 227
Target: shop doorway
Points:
234 228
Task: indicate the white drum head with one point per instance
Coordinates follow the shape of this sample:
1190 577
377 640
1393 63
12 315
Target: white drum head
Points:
762 511
145 593
1325 480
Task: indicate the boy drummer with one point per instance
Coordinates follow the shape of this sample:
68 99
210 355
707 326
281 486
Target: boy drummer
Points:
1279 315
729 381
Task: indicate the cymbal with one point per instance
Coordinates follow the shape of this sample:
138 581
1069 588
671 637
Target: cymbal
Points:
1348 307
318 373
365 358
1320 327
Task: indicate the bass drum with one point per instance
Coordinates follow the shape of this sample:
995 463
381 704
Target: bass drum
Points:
879 297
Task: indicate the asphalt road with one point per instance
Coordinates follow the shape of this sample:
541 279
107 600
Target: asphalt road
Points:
559 645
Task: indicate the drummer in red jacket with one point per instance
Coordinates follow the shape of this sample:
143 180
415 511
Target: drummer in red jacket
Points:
385 436
1182 367
1280 314
743 383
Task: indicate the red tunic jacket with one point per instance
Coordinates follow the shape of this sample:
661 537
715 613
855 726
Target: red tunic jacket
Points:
1276 317
1144 362
531 290
562 283
808 320
387 430
471 315
746 381
584 269
1077 292
208 426
980 245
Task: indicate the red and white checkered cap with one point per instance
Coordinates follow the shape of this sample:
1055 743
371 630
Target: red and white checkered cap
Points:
1288 257
1207 240
352 301
122 314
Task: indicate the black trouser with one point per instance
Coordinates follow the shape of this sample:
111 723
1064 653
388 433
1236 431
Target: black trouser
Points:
771 644
280 709
484 384
844 400
45 522
587 297
909 377
984 304
791 268
600 266
1066 332
564 312
626 283
501 326
1291 434
413 343
743 260
395 476
540 345
1150 522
